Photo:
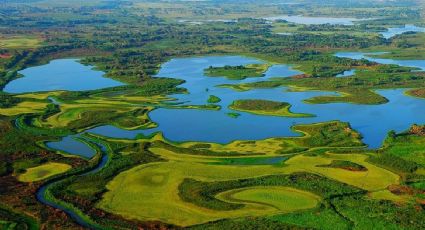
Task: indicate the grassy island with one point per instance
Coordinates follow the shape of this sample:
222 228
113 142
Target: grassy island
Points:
265 107
238 72
213 99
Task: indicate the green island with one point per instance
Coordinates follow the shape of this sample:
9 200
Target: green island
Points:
213 99
237 72
233 115
122 114
265 107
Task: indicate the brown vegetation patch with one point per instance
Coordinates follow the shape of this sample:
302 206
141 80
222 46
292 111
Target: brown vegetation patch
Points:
5 56
401 190
417 130
301 76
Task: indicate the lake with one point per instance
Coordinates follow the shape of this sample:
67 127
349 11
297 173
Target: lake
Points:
347 73
420 64
61 74
315 20
391 32
372 121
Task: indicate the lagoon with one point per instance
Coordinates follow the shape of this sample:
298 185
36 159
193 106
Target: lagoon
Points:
60 74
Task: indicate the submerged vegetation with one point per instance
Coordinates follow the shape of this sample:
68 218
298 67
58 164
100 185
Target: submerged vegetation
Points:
323 177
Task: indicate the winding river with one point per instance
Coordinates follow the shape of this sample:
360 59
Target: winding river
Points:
79 218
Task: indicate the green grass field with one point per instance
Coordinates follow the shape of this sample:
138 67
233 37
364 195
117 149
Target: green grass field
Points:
157 185
284 199
19 42
24 108
43 172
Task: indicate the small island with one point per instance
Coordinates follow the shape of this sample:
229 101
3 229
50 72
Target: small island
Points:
265 107
213 99
233 115
238 72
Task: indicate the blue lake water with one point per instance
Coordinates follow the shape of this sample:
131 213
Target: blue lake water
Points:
391 32
71 145
284 34
314 20
61 74
372 121
347 73
420 64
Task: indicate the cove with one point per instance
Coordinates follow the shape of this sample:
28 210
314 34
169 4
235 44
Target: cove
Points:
60 74
372 121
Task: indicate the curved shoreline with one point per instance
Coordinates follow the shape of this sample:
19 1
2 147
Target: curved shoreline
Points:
44 196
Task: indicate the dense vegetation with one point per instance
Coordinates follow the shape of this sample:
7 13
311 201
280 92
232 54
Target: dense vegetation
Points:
8 100
237 72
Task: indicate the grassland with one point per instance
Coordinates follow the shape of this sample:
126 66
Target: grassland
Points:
92 111
43 172
19 42
284 199
348 165
158 185
288 29
408 147
237 72
24 107
330 134
406 47
265 107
